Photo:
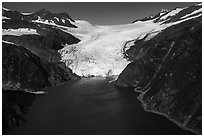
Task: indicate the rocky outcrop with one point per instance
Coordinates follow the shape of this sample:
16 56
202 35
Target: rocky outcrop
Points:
169 74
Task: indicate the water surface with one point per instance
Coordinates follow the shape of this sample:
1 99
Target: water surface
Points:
92 106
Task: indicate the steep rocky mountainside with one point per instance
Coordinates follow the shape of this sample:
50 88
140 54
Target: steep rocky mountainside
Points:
167 71
24 71
29 40
30 59
28 71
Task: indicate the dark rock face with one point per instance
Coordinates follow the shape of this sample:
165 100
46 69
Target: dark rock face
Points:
169 75
24 71
29 71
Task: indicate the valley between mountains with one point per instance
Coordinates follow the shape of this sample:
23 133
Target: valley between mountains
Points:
159 56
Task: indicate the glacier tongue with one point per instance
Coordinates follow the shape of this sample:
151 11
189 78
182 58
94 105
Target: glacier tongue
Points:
100 52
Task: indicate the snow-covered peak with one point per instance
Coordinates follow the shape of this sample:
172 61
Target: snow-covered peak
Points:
46 17
42 16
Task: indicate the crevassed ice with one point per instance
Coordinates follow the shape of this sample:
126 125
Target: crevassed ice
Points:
100 52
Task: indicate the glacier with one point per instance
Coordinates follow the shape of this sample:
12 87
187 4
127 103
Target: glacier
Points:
100 51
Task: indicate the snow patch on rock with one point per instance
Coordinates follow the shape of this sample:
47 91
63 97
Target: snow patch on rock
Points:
194 12
3 18
6 9
24 13
37 92
19 32
171 13
8 42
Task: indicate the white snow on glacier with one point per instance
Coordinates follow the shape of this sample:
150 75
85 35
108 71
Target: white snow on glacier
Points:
100 52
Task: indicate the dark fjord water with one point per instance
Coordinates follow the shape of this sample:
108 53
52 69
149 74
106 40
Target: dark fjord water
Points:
92 106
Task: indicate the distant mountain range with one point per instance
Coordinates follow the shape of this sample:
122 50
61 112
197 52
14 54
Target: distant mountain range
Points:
160 56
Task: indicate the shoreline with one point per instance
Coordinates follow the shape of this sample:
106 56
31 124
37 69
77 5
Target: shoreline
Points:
162 114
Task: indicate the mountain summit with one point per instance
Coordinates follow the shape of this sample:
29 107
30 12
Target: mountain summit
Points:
42 15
